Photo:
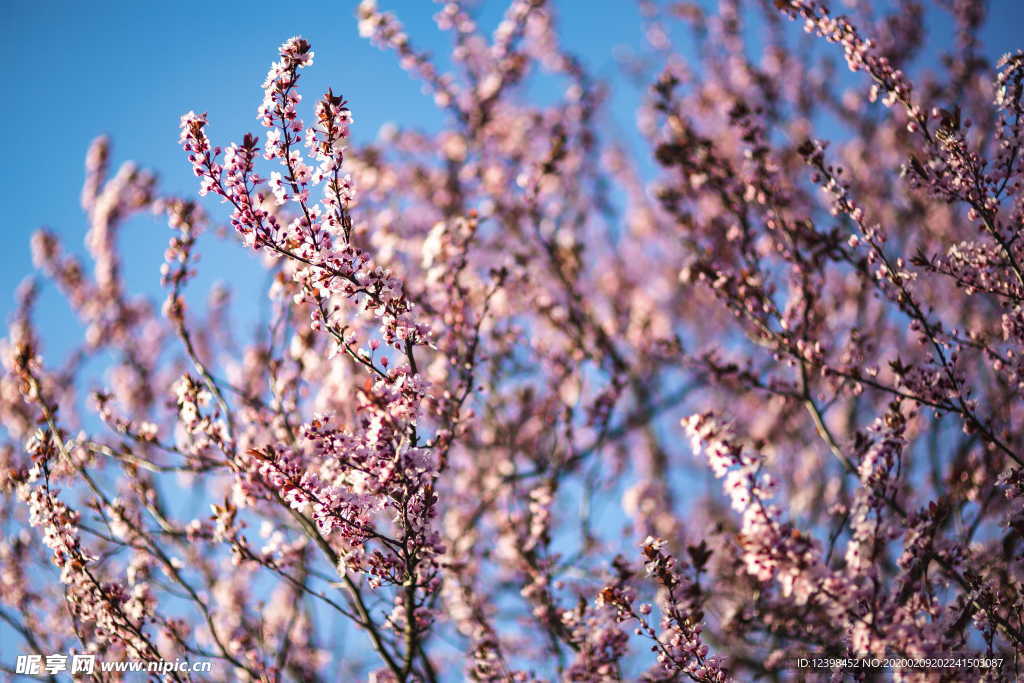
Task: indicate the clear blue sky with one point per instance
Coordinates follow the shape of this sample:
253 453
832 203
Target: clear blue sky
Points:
130 69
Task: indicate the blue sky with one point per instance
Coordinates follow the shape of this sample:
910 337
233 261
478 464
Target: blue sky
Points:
130 69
